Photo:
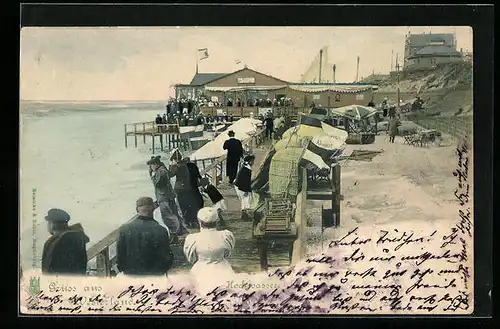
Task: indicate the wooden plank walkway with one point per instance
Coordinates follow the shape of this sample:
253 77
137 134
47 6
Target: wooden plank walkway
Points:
245 257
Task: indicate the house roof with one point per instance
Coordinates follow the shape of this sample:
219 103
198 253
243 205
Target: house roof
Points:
437 51
421 40
249 69
200 79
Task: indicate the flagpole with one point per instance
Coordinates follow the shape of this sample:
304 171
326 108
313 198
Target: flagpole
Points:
197 56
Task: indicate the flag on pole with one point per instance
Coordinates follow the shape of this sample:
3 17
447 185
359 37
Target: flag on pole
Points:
202 53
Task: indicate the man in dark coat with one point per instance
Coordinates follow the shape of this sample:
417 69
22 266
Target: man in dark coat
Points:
165 196
158 121
183 188
143 246
64 253
195 180
269 121
234 153
243 185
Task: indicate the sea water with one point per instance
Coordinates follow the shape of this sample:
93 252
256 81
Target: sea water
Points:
73 157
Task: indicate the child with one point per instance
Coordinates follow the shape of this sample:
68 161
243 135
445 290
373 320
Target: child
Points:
215 196
243 185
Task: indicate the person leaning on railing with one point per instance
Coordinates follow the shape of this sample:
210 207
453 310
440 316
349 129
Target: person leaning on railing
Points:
143 245
165 197
64 252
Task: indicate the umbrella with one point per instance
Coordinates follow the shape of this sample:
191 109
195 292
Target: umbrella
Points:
354 112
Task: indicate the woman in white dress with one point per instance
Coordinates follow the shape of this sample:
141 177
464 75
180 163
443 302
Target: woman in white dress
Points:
209 249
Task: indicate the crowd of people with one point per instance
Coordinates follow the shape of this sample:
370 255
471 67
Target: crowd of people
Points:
143 244
175 105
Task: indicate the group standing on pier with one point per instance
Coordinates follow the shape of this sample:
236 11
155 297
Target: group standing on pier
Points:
143 245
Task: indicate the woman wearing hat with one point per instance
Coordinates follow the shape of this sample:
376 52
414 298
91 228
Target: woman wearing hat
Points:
209 249
243 184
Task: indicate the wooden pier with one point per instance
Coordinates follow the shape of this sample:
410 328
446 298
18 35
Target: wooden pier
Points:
251 254
247 256
168 135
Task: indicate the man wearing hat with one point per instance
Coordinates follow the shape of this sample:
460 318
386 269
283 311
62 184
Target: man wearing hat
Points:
64 252
234 153
165 196
143 245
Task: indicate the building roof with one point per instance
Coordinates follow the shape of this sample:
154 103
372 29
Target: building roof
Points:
421 40
203 78
346 88
249 69
438 51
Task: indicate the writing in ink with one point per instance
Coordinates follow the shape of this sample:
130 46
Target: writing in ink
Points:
75 309
356 256
421 274
376 286
326 275
465 224
404 238
298 284
350 239
391 274
450 239
323 259
133 291
462 198
420 285
143 308
369 272
319 291
280 274
425 256
460 301
368 295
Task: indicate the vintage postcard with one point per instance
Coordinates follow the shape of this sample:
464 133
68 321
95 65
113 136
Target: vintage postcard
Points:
176 170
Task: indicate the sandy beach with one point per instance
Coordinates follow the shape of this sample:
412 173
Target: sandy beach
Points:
401 186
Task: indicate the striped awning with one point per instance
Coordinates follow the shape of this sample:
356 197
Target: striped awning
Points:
333 88
242 88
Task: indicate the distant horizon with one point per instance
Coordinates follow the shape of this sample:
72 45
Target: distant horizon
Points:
94 100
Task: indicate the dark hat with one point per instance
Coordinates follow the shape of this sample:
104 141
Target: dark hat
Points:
57 215
154 160
249 157
144 201
230 133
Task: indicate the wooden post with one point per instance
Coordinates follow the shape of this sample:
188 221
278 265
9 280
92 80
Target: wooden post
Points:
125 126
135 135
153 142
336 171
143 133
263 251
161 142
213 174
103 264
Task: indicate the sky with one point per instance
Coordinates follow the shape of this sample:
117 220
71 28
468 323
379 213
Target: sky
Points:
132 63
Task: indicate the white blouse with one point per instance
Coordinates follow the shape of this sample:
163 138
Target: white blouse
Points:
208 250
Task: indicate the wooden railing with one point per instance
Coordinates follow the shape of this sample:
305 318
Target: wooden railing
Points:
245 111
299 245
215 170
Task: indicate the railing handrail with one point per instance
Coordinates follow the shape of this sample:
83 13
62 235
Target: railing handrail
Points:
112 237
